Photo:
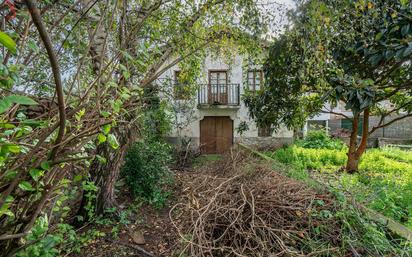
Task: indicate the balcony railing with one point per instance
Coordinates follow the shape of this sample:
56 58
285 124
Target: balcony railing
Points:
219 94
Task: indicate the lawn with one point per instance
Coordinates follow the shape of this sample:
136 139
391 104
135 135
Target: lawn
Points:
383 183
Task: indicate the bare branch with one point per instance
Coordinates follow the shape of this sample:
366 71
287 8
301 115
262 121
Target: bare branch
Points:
390 122
36 17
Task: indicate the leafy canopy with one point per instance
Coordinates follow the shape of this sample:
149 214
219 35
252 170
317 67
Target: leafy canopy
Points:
356 53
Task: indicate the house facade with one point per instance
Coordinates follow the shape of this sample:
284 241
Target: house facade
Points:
217 112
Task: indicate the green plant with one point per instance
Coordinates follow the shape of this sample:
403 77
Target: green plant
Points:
90 191
62 239
320 139
145 171
384 181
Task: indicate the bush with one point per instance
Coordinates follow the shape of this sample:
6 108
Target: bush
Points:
311 159
145 171
320 139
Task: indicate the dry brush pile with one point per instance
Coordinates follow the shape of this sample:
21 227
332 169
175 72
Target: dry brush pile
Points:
241 207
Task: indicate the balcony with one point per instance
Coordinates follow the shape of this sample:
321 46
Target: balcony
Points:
219 95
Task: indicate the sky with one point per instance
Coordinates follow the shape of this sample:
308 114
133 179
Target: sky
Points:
276 9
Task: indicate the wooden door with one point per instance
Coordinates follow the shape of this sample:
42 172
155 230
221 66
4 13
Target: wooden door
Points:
216 134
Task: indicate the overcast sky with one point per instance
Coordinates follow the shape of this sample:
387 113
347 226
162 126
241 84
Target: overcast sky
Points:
276 9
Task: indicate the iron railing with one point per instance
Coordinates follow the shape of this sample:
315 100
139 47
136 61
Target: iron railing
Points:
219 94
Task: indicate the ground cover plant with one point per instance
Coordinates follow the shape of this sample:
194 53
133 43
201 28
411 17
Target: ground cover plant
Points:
383 183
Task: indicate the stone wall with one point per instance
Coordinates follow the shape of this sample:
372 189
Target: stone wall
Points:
255 142
265 142
398 129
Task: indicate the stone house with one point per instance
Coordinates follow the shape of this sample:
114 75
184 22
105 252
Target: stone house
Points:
217 112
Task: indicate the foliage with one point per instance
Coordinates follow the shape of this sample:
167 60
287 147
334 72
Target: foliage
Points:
384 181
355 53
47 240
359 48
156 118
145 171
242 128
63 239
320 139
8 42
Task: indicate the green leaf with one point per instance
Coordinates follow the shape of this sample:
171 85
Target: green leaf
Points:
378 36
5 208
101 159
106 128
26 186
8 101
408 50
7 126
21 99
404 3
5 104
31 44
45 165
36 174
375 59
113 141
10 175
80 114
105 114
77 178
8 42
11 148
101 137
405 29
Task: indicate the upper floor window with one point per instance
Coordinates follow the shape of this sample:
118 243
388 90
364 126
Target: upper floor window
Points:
218 81
254 79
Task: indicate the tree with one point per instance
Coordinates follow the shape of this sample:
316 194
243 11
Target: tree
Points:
355 53
72 80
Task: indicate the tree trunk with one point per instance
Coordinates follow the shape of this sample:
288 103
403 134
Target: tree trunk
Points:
355 152
352 163
105 174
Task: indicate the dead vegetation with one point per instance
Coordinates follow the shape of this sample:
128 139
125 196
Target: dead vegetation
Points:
239 207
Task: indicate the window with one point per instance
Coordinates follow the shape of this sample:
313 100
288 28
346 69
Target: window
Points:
316 124
179 86
265 131
254 79
218 80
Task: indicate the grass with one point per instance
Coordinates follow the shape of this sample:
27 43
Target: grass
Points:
384 181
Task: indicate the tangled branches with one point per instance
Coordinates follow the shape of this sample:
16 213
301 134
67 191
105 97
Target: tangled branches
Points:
248 210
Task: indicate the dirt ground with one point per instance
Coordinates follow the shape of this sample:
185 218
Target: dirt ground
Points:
150 232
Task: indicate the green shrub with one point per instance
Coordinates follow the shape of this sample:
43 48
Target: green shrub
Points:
145 171
318 139
311 159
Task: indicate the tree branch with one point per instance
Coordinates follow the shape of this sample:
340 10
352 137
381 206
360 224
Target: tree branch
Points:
390 122
337 113
36 17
